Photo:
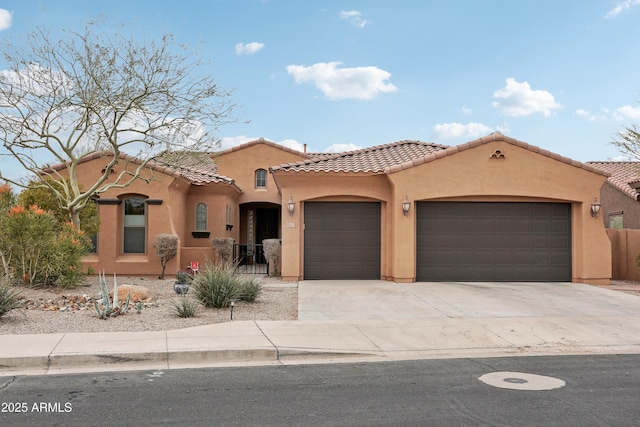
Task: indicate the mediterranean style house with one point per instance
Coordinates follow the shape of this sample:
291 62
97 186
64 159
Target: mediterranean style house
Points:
493 209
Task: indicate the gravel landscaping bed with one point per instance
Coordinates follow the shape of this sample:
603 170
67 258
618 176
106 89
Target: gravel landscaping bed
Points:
51 310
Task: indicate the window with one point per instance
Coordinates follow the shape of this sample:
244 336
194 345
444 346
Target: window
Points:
201 217
261 178
135 226
615 220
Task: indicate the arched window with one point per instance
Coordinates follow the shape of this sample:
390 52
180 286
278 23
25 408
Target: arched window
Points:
135 226
261 178
201 217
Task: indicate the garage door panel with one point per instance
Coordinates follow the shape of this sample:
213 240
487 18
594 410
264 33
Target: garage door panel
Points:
342 240
493 241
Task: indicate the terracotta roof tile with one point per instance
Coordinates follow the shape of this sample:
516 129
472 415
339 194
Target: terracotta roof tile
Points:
199 168
369 160
623 175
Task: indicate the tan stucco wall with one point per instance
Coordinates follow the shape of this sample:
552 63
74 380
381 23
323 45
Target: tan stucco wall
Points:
625 247
303 187
469 175
162 218
176 214
522 175
241 166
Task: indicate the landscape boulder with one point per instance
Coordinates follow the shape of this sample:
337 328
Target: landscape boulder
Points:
138 293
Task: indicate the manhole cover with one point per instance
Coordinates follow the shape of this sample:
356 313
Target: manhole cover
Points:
521 381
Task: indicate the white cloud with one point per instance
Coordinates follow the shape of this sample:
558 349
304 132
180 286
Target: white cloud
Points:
628 112
354 17
248 48
341 148
621 7
466 110
518 99
586 114
459 130
343 83
291 143
5 19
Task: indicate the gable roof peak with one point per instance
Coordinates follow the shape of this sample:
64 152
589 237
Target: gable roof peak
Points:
493 136
259 141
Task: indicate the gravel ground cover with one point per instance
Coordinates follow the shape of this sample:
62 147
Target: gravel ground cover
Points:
51 310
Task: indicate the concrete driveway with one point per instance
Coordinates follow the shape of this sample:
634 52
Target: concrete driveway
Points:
357 301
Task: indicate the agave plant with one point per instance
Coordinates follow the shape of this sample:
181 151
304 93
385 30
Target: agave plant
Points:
108 309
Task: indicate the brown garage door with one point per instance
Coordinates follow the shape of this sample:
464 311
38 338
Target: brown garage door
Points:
342 240
460 241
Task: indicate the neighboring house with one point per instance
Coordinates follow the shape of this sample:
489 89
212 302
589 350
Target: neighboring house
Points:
493 209
619 197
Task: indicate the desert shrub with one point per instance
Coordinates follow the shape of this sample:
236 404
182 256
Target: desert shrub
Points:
224 249
272 249
216 285
9 298
166 248
39 250
250 289
185 306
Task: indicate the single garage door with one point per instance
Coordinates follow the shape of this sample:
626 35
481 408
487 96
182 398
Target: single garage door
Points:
342 240
460 241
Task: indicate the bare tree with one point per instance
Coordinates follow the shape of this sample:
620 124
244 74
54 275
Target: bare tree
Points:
628 142
100 92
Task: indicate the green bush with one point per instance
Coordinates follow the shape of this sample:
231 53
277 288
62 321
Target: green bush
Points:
219 284
39 250
185 306
9 299
216 285
250 289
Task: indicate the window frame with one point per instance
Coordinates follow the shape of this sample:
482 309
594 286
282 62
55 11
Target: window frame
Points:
202 215
261 178
126 244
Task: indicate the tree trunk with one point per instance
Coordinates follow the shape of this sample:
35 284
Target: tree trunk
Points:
75 217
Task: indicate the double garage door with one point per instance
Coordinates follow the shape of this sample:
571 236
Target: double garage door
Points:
455 241
493 241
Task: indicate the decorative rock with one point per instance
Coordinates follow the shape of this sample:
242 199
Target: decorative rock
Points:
138 293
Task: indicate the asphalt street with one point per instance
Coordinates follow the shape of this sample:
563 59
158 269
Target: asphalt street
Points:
521 391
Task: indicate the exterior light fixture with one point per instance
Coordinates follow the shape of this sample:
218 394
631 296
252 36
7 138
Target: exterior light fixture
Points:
595 208
291 206
406 205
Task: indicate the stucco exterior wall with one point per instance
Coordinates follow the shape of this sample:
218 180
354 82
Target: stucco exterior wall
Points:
241 165
520 175
469 175
303 187
625 247
161 218
614 200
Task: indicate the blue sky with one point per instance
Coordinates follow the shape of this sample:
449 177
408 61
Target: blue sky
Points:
338 75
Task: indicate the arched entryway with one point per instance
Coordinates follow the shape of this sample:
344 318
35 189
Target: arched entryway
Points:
258 221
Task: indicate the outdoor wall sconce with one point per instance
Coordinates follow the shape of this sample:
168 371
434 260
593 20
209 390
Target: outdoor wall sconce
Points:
291 206
406 205
595 208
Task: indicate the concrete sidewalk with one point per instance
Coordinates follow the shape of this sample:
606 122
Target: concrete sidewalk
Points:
430 320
